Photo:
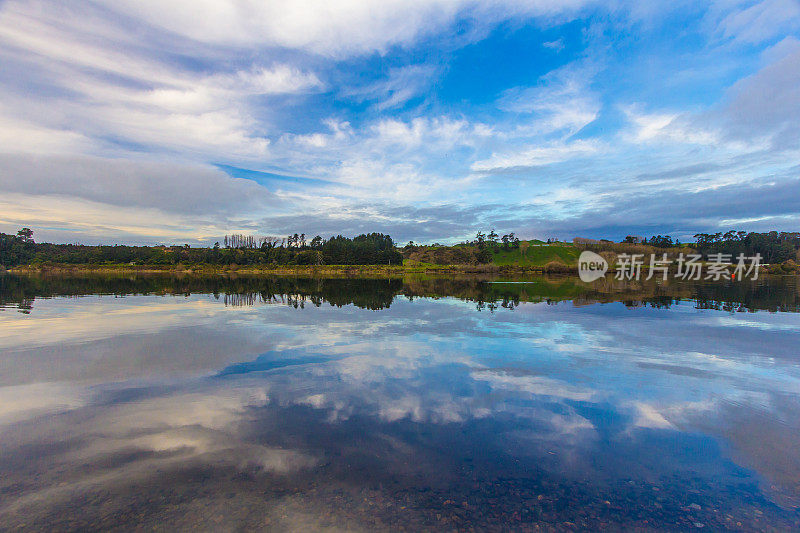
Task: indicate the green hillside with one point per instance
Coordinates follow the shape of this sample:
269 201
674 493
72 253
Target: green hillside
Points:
536 254
528 254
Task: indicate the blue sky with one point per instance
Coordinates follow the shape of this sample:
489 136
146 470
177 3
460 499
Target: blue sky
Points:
177 121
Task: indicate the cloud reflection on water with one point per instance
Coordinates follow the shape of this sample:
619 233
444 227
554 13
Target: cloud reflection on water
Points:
323 395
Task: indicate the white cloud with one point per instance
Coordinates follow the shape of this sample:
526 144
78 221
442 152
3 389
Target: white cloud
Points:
64 219
556 45
384 160
562 101
443 131
376 179
102 86
17 135
169 187
537 155
669 127
340 133
278 79
330 28
760 21
759 112
401 85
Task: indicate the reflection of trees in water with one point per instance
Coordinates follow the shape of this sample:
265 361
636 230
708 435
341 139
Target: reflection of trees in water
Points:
239 291
297 301
241 300
24 306
769 294
772 294
506 302
254 298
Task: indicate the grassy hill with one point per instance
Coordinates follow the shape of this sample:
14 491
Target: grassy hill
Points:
536 254
532 254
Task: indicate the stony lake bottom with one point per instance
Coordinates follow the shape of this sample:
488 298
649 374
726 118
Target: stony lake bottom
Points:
455 403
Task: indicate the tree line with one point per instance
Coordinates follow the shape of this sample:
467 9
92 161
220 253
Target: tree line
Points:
469 252
773 246
658 241
365 249
493 240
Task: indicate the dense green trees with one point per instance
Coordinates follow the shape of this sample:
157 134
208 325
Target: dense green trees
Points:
16 249
368 249
661 242
509 241
774 247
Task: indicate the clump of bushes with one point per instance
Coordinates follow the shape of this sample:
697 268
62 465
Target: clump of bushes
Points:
786 268
557 267
448 255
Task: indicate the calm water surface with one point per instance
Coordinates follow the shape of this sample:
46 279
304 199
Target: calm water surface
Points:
300 404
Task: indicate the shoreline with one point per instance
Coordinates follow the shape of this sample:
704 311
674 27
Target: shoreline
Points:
288 270
333 271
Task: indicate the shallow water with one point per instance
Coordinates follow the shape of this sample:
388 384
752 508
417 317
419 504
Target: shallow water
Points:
302 404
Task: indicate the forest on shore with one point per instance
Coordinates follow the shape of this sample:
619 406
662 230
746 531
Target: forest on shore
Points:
487 251
365 249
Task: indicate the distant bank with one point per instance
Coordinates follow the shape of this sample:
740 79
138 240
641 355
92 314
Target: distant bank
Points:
377 254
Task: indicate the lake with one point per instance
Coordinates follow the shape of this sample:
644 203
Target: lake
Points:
386 404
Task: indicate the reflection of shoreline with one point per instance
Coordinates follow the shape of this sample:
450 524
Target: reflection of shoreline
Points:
140 407
775 294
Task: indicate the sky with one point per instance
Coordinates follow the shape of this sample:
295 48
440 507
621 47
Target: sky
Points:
180 121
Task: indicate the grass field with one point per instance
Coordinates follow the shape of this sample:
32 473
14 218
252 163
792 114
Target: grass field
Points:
536 254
